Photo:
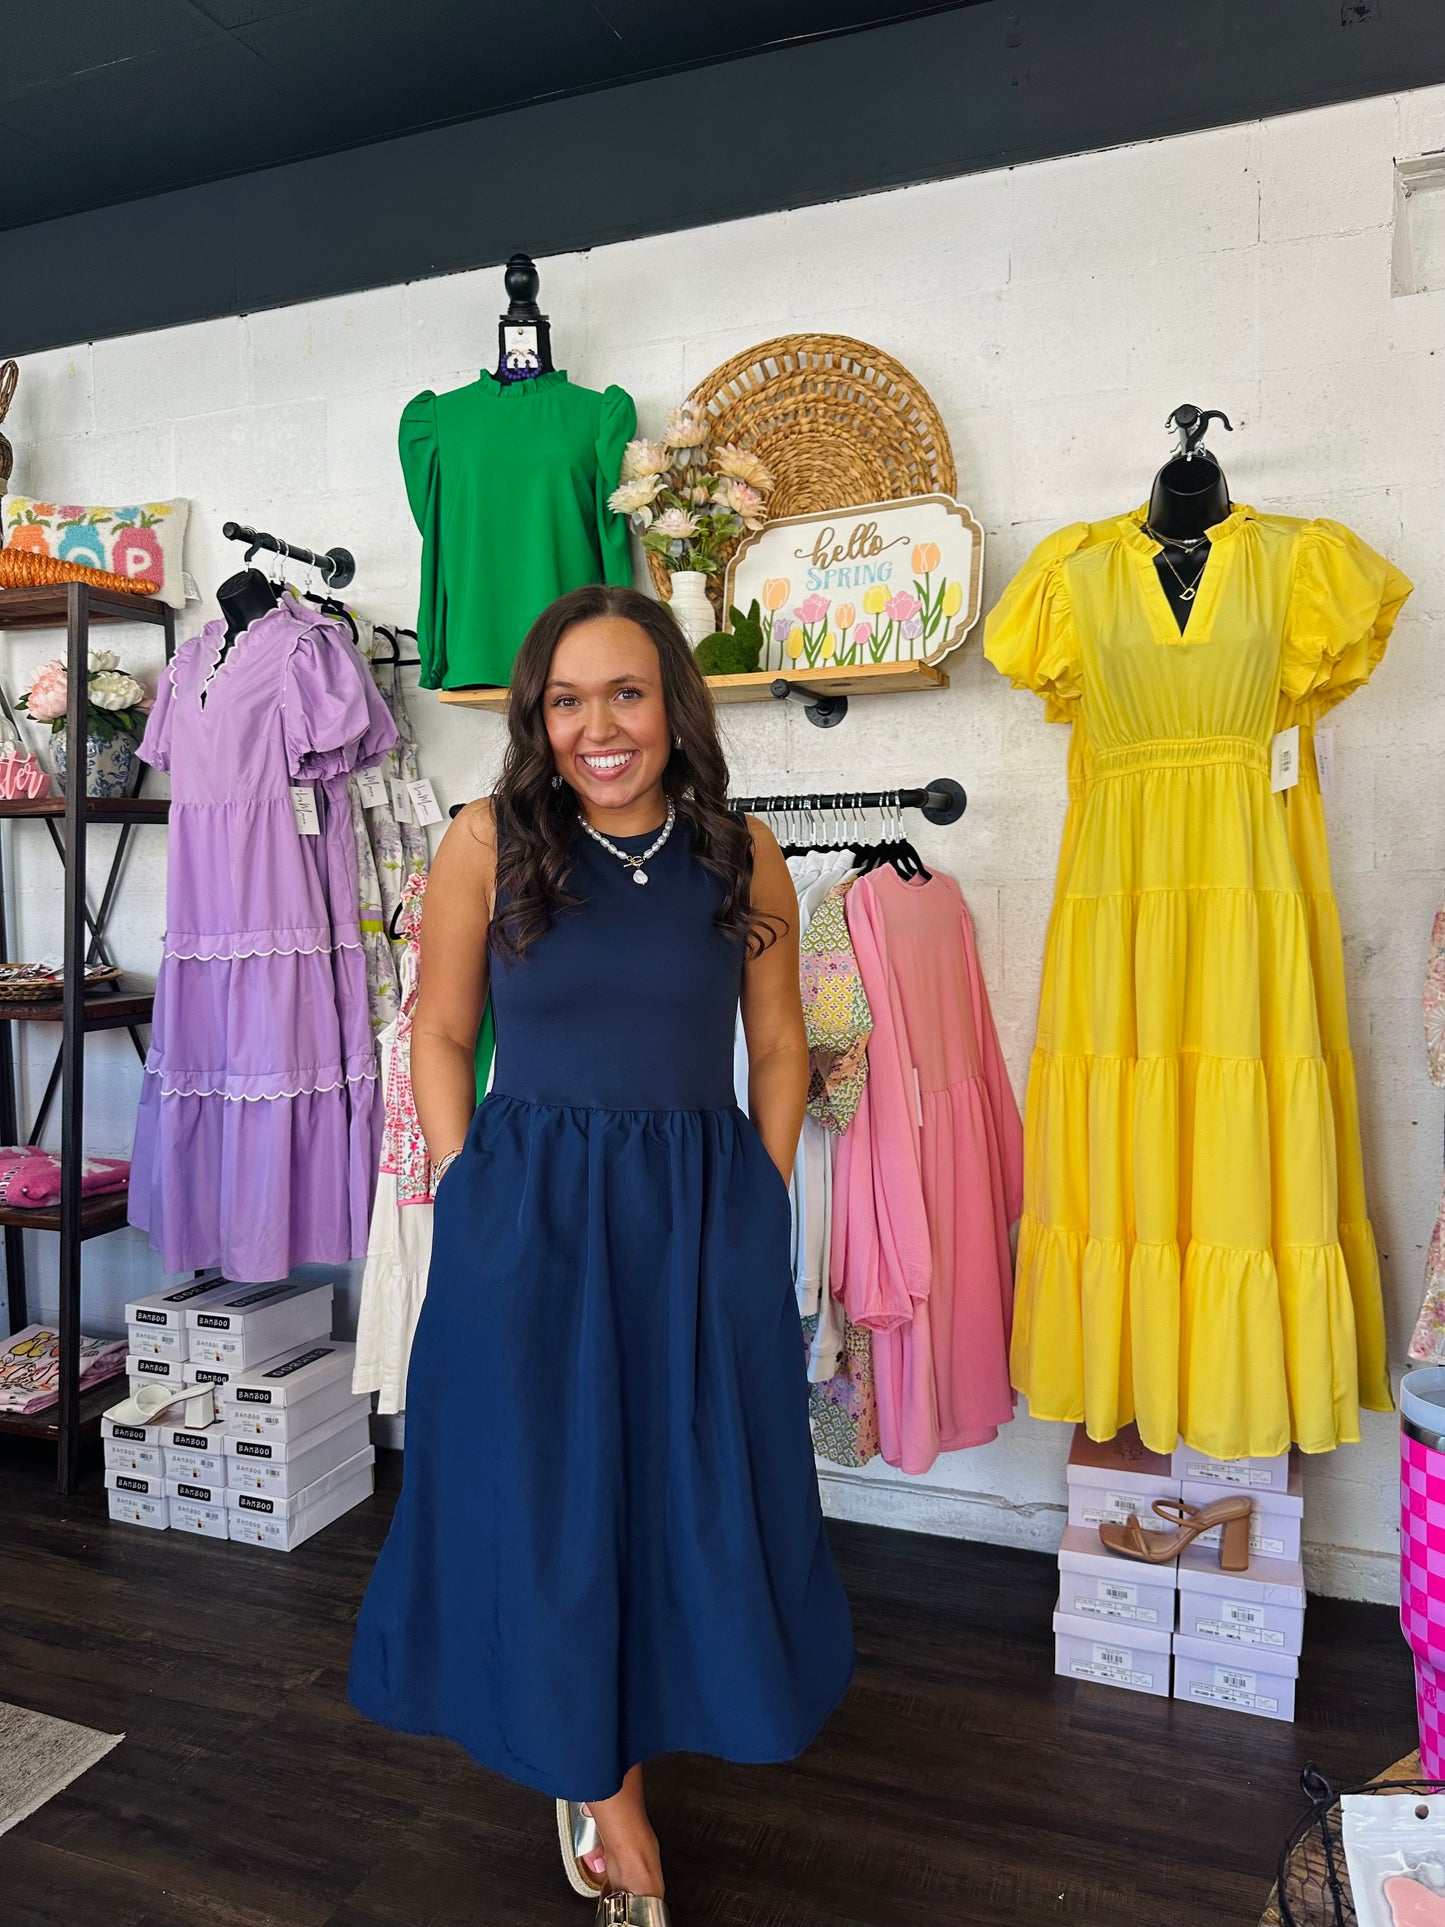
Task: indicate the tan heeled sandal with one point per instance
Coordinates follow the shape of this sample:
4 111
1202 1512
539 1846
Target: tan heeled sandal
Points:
632 1910
1131 1541
578 1836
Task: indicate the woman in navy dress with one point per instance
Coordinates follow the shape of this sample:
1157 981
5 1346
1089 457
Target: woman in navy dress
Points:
608 1543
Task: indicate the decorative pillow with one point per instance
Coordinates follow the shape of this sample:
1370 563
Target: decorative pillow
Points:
144 543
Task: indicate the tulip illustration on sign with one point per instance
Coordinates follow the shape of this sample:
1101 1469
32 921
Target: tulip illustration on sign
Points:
812 613
776 591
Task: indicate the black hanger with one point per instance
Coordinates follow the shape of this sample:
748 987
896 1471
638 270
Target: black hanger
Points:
396 660
329 606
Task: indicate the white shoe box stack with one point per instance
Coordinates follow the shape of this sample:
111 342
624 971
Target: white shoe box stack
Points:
290 1449
1240 1633
297 1446
1115 1618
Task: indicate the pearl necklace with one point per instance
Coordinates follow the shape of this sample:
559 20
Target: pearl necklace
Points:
634 863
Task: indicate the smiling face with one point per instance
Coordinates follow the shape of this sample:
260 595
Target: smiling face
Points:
607 722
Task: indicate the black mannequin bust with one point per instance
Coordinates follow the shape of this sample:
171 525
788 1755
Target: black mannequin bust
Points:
524 334
243 599
1189 496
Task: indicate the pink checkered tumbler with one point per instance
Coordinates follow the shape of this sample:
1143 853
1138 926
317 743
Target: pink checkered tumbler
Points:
1422 1552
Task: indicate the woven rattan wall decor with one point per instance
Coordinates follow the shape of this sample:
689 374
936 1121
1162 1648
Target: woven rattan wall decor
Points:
838 421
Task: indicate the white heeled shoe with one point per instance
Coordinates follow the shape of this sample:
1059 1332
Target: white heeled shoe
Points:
577 1834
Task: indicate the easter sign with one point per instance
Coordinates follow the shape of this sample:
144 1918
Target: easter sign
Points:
888 582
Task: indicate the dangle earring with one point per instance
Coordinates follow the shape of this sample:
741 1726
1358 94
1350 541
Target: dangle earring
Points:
677 742
556 780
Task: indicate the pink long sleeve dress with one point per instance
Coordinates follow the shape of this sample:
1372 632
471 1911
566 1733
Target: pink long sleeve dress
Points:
929 1175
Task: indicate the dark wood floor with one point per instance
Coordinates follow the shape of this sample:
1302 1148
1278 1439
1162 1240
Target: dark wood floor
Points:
959 1783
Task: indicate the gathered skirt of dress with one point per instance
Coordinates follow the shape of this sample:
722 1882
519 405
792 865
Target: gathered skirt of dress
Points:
609 1543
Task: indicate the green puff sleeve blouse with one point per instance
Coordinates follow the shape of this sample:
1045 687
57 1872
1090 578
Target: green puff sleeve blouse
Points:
509 483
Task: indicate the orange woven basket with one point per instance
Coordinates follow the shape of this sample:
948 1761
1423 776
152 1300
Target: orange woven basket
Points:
24 569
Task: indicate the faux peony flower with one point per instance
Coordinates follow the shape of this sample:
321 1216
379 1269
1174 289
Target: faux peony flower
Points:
812 608
742 499
113 689
102 659
47 695
631 496
676 524
729 459
685 427
643 458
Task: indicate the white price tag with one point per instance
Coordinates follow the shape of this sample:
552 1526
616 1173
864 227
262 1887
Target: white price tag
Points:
303 808
400 799
1325 759
371 786
424 802
1284 759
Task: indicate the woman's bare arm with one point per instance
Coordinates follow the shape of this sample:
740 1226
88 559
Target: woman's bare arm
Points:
452 986
772 1006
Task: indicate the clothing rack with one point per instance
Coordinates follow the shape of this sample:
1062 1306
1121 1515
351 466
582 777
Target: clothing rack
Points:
944 801
337 566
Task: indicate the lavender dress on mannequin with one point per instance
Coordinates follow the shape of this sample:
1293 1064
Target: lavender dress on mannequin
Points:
258 1133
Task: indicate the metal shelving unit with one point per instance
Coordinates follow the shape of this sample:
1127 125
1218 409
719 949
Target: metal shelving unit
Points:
125 1003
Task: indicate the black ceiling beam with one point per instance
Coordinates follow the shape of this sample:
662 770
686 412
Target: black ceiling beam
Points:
949 94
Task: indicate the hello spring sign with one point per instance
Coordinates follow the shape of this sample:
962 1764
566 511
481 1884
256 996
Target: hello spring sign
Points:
887 582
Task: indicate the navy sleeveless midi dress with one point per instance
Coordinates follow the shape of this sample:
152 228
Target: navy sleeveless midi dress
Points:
608 1543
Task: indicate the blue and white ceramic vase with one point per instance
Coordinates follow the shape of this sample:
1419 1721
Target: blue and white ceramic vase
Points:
109 763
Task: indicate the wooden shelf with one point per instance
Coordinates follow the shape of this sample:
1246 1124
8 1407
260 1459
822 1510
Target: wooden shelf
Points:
101 1212
98 809
863 679
120 1000
48 607
45 1424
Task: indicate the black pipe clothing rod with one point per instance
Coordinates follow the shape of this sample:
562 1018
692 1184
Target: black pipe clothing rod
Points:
944 801
338 566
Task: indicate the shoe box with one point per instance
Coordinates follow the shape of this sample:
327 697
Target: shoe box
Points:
1257 1475
1277 1521
1134 1657
195 1455
1107 1482
1260 1681
293 1394
132 1448
281 1468
138 1498
1116 1594
253 1323
263 1519
205 1517
1263 1606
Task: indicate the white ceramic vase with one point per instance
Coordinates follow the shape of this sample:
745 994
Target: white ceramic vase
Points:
690 605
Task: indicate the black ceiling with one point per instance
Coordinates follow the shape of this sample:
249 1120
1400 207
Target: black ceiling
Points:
167 161
101 102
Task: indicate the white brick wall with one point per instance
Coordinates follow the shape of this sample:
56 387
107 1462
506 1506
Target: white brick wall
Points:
1056 313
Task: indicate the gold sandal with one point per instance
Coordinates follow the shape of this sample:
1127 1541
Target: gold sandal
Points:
578 1836
1131 1541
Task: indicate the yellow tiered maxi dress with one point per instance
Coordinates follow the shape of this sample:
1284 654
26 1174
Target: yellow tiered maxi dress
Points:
1195 1254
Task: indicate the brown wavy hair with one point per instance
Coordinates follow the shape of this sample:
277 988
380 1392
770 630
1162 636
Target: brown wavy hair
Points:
536 819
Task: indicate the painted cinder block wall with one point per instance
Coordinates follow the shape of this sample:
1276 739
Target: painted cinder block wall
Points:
1056 313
